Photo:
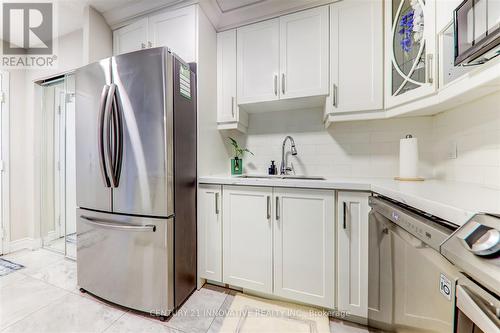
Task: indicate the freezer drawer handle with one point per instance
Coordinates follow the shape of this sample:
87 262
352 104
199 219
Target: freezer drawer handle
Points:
109 224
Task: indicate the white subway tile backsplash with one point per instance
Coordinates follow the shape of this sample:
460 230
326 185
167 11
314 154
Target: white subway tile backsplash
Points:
371 148
475 127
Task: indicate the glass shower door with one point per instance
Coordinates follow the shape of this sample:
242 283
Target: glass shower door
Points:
58 176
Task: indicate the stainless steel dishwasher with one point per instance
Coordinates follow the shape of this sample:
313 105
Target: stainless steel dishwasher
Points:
411 285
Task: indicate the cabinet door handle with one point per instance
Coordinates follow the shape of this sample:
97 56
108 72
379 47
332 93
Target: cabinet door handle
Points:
268 207
275 84
430 71
217 210
335 97
143 45
232 106
277 208
283 83
344 224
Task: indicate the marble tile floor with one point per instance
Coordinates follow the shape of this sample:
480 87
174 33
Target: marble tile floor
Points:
58 246
43 297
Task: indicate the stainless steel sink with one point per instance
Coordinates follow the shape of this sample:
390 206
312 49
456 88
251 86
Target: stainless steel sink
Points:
298 177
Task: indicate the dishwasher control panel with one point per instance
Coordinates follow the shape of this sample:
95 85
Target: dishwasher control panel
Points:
427 228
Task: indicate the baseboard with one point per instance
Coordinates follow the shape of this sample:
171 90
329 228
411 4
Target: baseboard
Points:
26 243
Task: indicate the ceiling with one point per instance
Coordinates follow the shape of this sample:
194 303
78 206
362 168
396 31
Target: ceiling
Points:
224 14
230 5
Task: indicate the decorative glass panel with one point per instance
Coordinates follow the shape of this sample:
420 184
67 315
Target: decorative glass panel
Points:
408 47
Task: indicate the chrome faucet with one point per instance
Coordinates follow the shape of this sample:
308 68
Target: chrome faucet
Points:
283 168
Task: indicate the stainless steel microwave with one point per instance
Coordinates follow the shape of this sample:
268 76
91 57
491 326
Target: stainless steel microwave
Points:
477 31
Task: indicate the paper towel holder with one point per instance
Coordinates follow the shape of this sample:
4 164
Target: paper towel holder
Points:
413 179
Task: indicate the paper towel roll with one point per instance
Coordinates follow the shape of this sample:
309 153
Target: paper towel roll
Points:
408 157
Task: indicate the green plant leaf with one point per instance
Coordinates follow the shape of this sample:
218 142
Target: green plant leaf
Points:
238 151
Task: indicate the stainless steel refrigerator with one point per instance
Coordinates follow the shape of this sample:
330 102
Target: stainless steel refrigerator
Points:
136 180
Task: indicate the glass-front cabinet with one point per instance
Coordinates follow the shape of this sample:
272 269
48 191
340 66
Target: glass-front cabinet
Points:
410 42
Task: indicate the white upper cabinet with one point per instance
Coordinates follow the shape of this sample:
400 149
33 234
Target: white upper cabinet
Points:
176 30
258 62
210 232
131 38
353 253
229 115
304 251
283 58
226 76
357 52
410 46
304 53
248 237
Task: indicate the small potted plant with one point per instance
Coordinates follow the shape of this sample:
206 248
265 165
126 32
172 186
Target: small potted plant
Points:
237 161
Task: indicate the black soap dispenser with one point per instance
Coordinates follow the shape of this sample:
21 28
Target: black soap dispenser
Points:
272 168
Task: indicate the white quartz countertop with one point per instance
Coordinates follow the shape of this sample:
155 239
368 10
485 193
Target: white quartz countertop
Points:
452 201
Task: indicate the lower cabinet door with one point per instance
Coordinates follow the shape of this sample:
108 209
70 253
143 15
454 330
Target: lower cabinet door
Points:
353 253
247 237
210 232
304 250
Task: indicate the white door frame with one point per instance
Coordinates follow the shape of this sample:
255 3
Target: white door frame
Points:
5 163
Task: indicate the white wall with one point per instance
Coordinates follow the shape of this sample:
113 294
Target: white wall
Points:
212 155
97 36
475 128
21 158
25 115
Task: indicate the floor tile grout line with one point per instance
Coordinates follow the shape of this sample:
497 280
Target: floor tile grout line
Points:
35 311
114 321
218 310
53 285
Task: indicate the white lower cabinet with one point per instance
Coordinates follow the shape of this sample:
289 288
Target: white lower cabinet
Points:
352 254
304 251
279 241
248 237
210 232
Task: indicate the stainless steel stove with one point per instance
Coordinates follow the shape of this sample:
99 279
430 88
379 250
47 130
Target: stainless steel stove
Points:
475 249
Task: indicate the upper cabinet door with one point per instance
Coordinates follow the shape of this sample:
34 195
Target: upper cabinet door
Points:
304 45
410 41
258 62
175 30
357 51
131 38
226 76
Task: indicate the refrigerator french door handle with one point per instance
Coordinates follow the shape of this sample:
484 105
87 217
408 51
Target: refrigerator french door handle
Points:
108 129
117 140
100 134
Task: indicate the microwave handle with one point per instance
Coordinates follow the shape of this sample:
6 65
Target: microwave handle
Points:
477 314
